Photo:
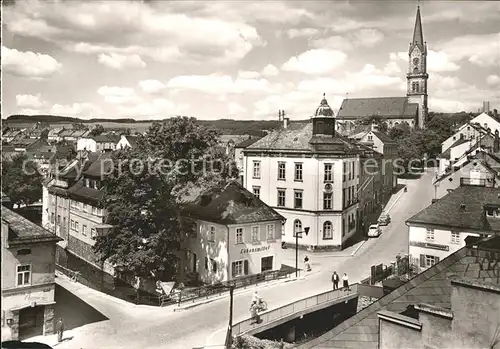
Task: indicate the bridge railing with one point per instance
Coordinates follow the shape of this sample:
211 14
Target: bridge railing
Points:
304 304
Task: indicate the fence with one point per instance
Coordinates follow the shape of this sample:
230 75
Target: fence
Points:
193 294
287 312
401 267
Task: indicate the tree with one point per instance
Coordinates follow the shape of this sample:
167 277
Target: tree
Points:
21 180
382 127
143 193
97 130
399 132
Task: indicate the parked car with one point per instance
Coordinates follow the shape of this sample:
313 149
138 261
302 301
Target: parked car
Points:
374 231
384 219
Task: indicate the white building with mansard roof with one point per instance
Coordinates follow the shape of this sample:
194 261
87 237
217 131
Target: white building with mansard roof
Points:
309 174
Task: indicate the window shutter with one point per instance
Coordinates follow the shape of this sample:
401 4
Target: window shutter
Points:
436 259
422 260
233 270
246 267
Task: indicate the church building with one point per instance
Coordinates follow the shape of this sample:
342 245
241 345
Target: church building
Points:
411 109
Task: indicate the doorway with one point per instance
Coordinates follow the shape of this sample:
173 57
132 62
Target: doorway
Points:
31 322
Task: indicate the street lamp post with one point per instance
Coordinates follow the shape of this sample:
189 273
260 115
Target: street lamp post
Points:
306 231
229 335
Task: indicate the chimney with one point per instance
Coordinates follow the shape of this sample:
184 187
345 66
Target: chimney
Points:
462 207
374 126
285 120
495 113
279 115
496 142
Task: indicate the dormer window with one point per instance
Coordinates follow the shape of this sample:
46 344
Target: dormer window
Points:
493 212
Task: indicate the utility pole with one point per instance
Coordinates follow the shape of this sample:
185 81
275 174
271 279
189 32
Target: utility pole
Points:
229 336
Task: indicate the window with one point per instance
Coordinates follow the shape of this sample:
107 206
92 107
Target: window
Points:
343 227
256 191
211 234
23 275
281 197
58 219
255 234
328 173
214 265
327 201
93 233
239 268
298 171
256 169
282 230
297 228
327 230
206 263
429 234
298 199
84 230
370 137
270 231
266 263
281 171
239 235
455 237
52 218
94 210
344 171
427 261
99 211
84 207
77 226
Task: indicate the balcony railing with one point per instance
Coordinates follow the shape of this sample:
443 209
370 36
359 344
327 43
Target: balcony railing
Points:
481 182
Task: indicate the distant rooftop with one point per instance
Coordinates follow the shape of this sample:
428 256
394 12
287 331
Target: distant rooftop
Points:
386 107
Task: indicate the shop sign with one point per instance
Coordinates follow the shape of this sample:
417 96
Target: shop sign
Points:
255 249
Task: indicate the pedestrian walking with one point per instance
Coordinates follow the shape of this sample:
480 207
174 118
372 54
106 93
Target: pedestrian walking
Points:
60 330
307 265
345 282
335 280
254 312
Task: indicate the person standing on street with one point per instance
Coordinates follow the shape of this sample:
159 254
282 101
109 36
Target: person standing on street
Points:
60 330
345 282
335 280
307 265
254 312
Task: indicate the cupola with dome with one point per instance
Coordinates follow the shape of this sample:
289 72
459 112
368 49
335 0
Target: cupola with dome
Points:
323 119
323 109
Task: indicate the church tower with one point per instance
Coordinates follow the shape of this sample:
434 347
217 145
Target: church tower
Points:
417 72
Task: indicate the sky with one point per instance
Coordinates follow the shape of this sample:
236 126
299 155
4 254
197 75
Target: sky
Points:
242 59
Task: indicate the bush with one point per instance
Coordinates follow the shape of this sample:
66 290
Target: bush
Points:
251 342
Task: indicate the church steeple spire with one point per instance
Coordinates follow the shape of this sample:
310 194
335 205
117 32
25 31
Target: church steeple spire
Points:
418 36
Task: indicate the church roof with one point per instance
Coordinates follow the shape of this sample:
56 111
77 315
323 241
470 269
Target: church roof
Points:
387 107
418 36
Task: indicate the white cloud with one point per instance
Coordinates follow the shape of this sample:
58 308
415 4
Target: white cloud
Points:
152 86
29 101
464 11
118 95
479 50
28 64
493 80
158 108
245 74
221 84
367 37
133 28
117 61
316 61
83 110
270 70
235 108
297 33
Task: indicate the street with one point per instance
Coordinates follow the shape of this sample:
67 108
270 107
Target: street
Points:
149 327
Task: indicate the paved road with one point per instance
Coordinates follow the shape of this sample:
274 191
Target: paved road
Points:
162 328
